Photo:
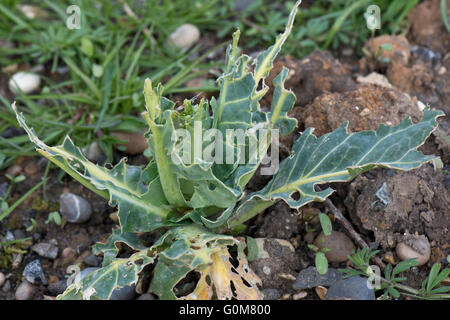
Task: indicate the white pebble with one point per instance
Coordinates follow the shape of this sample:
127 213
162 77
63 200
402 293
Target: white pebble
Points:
25 291
2 279
24 81
418 248
185 36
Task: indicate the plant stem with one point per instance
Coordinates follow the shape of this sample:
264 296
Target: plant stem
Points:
169 183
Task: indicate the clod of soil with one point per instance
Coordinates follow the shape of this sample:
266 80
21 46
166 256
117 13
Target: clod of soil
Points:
278 223
427 27
365 108
391 203
400 47
428 80
312 76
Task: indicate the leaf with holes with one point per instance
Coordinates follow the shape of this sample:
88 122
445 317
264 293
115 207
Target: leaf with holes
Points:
340 156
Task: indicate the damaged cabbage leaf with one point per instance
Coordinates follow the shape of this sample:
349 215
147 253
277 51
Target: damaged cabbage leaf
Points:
340 156
100 284
191 248
221 280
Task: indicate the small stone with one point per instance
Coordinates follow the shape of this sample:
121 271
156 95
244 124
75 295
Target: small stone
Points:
365 112
32 12
46 250
426 54
184 36
11 132
275 257
7 286
321 292
339 244
447 181
10 68
414 247
271 294
19 234
14 170
146 296
347 52
375 78
17 260
3 189
92 260
114 217
135 143
26 82
300 295
310 278
74 208
58 287
125 293
25 291
31 169
66 252
33 272
9 236
95 153
2 279
354 288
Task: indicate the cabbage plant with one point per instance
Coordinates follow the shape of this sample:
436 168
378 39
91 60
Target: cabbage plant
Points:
196 201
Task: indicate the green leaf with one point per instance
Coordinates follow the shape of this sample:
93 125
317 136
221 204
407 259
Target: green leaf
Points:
265 61
325 223
386 46
431 277
87 47
393 292
252 248
282 102
101 283
110 250
388 272
141 208
321 262
188 248
340 156
441 276
443 289
405 265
